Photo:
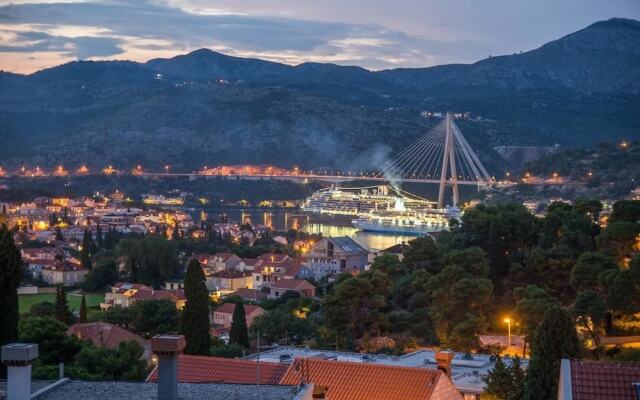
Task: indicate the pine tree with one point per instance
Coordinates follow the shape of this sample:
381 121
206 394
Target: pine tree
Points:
83 310
87 244
10 277
555 339
195 318
239 333
499 381
62 308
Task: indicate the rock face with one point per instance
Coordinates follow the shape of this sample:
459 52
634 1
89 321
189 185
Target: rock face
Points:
208 108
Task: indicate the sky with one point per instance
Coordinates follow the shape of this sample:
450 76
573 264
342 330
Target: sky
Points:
375 34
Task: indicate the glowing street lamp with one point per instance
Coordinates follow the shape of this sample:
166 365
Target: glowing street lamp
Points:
508 322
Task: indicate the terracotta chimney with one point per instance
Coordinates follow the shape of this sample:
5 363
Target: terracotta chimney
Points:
17 357
167 348
444 359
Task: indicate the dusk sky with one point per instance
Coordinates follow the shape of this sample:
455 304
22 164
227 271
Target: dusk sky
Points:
375 34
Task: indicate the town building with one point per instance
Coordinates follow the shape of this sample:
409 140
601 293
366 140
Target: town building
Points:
223 315
229 280
336 255
249 294
64 272
304 288
125 294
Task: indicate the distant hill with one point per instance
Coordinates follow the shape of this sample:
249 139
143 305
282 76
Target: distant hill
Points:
209 108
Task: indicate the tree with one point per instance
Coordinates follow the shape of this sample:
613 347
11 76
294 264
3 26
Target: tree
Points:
554 340
195 317
150 260
87 244
618 239
83 310
125 362
355 307
590 207
10 277
42 309
239 334
62 313
531 304
585 274
591 310
625 210
102 275
422 254
505 382
99 237
152 317
51 335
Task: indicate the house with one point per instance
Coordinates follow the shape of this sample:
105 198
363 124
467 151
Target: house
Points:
247 264
64 272
103 334
336 380
221 261
201 369
125 294
336 255
590 380
270 268
223 315
230 279
303 287
249 294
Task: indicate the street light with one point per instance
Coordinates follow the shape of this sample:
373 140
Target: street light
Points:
508 322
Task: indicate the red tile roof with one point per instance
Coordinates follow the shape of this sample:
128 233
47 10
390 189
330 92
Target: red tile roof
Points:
273 258
231 274
365 381
592 380
201 369
228 308
249 294
292 284
103 334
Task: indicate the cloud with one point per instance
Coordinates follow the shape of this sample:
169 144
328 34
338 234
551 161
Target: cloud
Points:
145 28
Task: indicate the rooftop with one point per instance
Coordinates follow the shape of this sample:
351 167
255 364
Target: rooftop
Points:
230 307
344 381
104 334
82 390
202 369
600 380
467 371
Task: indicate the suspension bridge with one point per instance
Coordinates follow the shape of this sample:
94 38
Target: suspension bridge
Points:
441 156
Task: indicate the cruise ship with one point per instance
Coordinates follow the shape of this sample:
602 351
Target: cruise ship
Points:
382 209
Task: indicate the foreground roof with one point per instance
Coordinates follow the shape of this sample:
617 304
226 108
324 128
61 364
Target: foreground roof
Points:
591 380
365 381
82 390
202 369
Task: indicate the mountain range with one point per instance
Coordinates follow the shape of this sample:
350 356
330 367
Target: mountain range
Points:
207 108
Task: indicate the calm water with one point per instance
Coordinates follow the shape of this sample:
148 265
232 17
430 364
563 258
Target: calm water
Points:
311 223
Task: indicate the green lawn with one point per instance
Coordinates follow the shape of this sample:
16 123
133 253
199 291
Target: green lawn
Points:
27 300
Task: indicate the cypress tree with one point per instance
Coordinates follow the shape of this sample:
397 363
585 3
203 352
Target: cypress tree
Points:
99 242
85 256
62 308
83 310
499 381
175 235
195 317
10 277
239 333
555 339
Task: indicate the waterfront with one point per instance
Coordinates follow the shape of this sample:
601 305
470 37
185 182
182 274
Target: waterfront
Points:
308 222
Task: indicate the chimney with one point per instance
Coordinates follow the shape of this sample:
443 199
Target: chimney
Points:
167 348
17 357
443 359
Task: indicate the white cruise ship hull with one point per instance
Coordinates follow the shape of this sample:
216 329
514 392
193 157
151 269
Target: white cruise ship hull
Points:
372 225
